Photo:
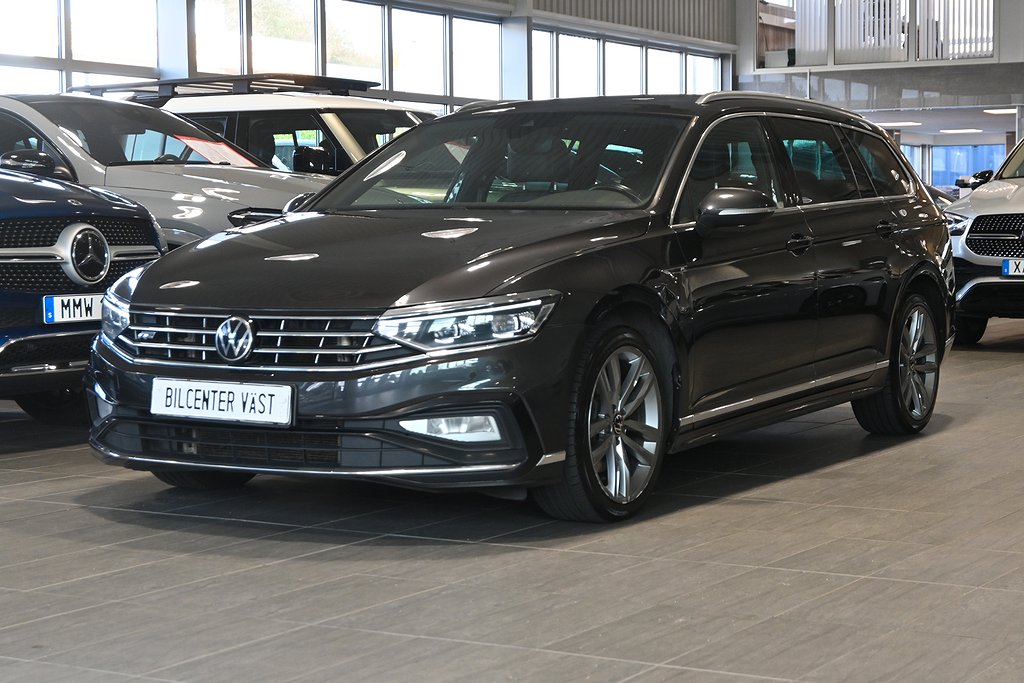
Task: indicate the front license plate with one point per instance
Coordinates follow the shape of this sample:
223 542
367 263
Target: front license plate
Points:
231 401
71 309
1013 267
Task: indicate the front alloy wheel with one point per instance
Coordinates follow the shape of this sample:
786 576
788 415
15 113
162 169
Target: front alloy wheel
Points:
618 426
625 424
905 404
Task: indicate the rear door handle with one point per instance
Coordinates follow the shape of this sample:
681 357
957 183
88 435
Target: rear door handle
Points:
798 243
885 229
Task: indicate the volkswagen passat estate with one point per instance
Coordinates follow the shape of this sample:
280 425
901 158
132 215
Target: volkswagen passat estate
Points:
545 297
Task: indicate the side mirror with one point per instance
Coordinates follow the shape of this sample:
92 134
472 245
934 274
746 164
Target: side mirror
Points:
729 207
296 202
311 160
248 216
29 161
976 180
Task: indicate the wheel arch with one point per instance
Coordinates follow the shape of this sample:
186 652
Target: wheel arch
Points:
929 283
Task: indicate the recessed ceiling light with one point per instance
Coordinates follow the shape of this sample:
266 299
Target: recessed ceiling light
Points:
1000 111
957 131
899 124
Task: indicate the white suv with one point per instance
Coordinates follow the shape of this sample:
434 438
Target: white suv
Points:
291 121
987 229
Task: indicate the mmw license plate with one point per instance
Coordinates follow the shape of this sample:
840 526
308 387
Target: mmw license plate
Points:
231 401
70 309
1013 267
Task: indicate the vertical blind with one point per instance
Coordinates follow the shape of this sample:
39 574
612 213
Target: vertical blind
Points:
954 29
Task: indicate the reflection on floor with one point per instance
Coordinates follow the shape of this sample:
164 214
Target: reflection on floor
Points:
805 551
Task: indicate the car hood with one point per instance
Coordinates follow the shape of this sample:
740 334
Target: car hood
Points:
997 196
241 187
376 259
24 195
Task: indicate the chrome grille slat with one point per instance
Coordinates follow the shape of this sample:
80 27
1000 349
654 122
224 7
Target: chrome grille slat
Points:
287 342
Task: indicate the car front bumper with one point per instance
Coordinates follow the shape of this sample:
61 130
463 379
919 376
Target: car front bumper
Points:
347 424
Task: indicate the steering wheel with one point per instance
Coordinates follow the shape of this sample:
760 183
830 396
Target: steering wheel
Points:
617 187
167 159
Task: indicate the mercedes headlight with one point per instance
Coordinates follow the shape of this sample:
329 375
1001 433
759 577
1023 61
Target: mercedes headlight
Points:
475 322
956 223
114 310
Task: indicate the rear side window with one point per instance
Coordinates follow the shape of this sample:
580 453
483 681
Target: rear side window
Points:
735 153
823 171
886 172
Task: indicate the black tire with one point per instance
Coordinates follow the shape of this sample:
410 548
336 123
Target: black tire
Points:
969 329
59 408
634 439
905 404
205 480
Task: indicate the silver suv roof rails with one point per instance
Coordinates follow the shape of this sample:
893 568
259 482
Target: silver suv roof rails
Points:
158 92
758 95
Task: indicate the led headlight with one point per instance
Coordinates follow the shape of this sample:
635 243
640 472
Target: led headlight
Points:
474 322
956 223
114 310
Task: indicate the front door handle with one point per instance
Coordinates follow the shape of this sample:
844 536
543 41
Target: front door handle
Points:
885 229
798 243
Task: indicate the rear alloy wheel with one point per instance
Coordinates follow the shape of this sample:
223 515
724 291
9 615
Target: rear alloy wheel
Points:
208 480
969 329
906 403
617 432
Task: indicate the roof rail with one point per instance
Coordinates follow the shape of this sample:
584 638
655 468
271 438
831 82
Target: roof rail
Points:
757 95
158 92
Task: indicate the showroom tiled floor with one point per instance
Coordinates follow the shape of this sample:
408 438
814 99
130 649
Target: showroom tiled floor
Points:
807 551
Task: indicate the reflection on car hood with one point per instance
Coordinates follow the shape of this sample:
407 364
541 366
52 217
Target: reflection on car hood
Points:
246 186
997 196
24 195
373 259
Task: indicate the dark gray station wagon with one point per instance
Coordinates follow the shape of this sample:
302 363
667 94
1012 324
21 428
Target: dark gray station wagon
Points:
546 297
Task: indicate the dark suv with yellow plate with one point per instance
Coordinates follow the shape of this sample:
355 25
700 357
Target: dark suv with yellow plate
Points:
543 297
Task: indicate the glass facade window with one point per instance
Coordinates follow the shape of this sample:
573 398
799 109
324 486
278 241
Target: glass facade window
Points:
282 36
36 31
542 50
664 72
16 80
97 39
476 59
418 51
703 74
623 69
218 36
578 66
355 40
949 162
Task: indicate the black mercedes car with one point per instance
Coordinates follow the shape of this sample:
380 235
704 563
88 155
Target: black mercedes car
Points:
61 246
543 297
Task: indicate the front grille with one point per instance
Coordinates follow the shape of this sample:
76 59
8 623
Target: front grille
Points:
20 233
50 278
997 235
256 447
997 248
46 350
293 342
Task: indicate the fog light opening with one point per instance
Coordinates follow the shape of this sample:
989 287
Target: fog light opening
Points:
464 428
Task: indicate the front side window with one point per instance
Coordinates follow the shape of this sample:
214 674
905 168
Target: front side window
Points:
16 136
734 153
517 160
823 171
888 176
121 133
274 138
372 128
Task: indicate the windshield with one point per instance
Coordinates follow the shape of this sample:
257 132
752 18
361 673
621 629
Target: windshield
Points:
1013 167
121 133
516 160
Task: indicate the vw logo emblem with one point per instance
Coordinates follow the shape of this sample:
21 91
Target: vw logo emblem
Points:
89 254
234 339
